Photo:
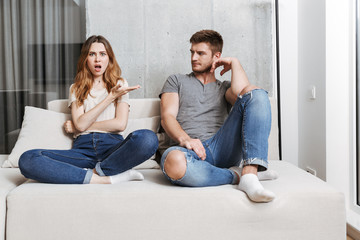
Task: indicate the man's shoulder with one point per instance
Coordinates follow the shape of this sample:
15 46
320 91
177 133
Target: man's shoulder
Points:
175 82
180 76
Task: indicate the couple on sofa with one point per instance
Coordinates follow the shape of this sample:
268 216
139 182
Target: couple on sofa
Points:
209 145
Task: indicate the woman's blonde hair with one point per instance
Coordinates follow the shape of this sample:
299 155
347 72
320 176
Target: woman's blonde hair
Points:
84 79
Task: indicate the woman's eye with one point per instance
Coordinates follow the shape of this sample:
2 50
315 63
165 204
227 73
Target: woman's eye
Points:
103 54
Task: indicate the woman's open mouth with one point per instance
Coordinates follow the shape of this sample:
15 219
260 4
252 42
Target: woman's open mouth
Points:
97 68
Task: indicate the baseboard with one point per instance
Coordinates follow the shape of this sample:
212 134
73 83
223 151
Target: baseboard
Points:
352 232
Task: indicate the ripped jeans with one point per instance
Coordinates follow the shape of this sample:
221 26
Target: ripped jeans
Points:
243 139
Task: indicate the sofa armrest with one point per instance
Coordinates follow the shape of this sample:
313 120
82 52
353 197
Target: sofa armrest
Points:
3 157
10 178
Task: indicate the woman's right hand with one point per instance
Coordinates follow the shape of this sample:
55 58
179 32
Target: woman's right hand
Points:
118 90
69 127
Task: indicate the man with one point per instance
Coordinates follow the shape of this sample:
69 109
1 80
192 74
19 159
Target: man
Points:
212 145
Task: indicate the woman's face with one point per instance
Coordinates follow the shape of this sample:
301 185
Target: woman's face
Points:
97 59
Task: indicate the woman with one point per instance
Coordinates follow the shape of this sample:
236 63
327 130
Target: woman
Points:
99 103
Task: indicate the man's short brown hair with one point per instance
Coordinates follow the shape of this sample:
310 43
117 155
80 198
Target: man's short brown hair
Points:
208 36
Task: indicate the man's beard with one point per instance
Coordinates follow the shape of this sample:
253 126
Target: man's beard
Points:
206 70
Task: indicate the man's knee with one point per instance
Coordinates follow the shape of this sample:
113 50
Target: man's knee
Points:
175 164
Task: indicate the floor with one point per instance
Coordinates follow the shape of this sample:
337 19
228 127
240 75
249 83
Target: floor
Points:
349 238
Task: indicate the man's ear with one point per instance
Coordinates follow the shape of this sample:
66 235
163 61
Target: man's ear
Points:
217 55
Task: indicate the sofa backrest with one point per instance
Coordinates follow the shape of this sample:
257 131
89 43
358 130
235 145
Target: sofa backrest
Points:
150 107
139 108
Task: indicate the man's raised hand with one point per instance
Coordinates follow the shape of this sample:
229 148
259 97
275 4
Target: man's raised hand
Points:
225 62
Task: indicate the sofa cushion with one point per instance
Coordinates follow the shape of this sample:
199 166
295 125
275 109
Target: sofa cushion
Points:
305 207
40 129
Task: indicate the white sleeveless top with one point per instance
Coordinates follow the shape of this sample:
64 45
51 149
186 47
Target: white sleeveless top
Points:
94 98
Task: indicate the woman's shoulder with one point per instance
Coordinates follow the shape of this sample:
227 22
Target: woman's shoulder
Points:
71 89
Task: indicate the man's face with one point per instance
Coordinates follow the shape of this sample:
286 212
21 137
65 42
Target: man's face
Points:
202 57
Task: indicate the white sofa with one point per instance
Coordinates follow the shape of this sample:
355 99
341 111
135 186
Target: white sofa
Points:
305 207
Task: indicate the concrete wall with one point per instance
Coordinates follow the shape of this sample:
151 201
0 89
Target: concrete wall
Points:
151 37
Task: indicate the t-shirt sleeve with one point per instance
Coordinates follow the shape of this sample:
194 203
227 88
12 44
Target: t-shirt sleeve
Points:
124 98
72 97
227 84
171 85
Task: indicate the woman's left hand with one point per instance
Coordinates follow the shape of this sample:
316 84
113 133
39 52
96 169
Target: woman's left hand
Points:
118 90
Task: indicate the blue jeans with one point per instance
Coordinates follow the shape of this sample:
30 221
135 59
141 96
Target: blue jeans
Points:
243 138
108 153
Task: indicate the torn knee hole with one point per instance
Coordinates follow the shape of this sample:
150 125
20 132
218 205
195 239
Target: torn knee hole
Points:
175 165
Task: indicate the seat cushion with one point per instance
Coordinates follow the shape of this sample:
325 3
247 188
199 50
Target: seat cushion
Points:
154 209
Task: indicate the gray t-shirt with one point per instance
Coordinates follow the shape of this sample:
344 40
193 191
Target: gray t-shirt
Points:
202 108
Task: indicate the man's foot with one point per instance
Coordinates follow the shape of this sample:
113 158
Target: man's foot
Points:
262 176
249 183
128 175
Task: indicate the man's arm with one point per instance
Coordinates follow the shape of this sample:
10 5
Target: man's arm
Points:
239 82
169 111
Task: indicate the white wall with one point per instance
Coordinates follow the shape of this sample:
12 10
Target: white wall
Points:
302 66
288 61
340 100
311 49
151 37
323 35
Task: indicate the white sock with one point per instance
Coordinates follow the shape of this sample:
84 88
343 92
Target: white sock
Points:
264 175
267 175
126 176
249 183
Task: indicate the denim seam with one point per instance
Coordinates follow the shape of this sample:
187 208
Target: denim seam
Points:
243 122
97 139
214 162
63 155
109 153
111 135
243 133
